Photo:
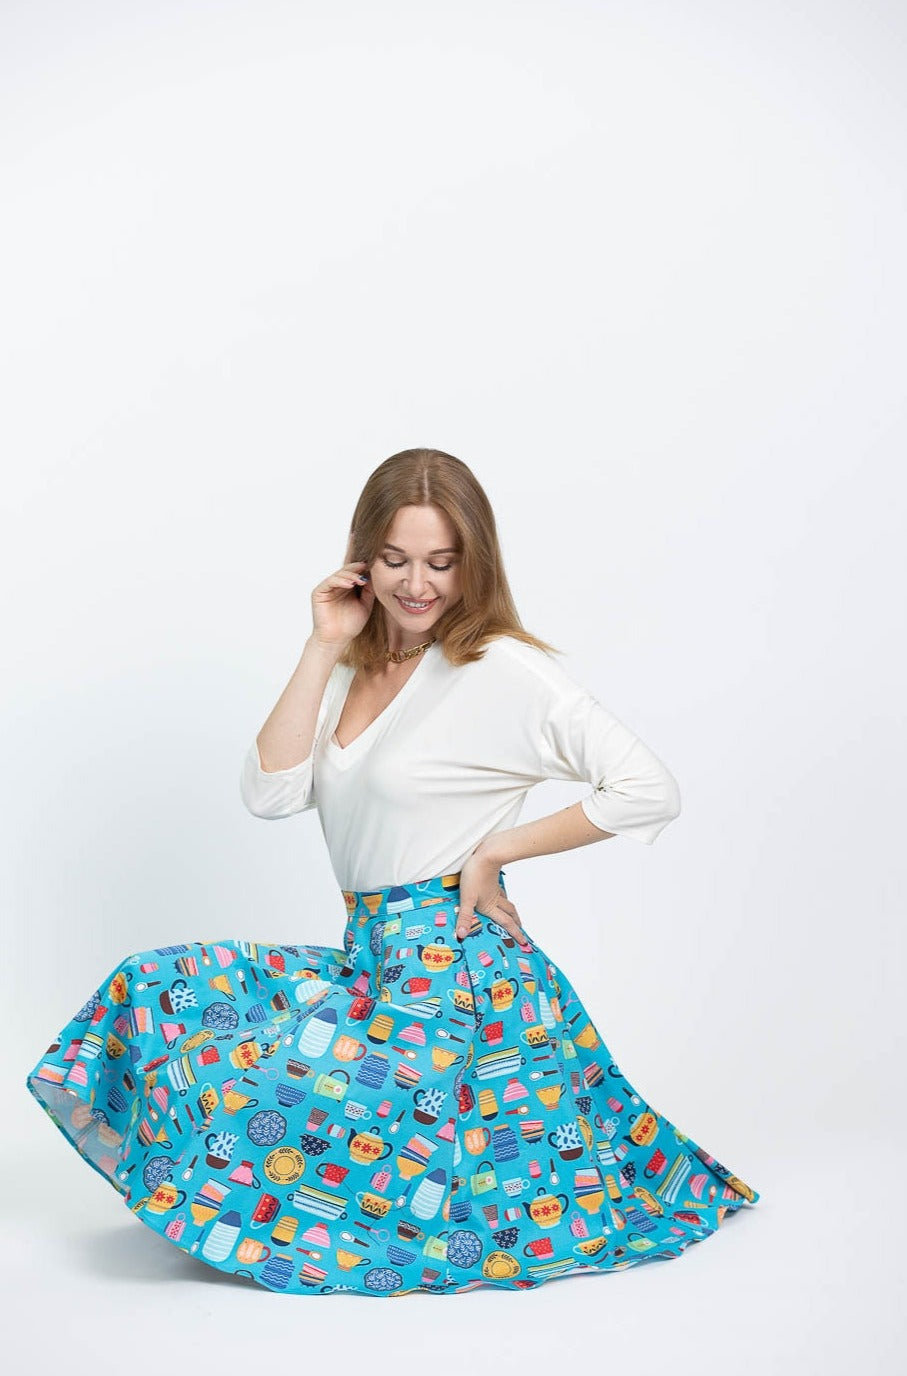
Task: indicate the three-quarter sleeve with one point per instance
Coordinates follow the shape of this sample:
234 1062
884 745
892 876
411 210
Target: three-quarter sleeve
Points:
283 792
634 794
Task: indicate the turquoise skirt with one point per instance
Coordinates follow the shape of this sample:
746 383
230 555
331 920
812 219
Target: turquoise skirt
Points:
408 1112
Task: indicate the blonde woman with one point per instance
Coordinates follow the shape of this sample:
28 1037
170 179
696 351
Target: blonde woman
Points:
429 1105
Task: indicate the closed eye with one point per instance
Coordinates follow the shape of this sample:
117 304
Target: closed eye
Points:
436 568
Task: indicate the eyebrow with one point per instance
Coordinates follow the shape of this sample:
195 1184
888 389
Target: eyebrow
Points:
398 550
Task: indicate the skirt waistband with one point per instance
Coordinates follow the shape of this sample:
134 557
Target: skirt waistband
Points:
382 903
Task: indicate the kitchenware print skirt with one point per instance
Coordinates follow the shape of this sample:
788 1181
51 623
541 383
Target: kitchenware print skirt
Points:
409 1112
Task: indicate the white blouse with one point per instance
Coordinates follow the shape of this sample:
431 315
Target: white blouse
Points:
450 760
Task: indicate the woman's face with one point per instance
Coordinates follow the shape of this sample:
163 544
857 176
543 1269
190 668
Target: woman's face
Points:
419 563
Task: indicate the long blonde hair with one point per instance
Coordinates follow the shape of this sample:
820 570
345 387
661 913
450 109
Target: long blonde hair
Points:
486 610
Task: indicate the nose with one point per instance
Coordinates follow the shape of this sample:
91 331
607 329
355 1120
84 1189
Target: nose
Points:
418 589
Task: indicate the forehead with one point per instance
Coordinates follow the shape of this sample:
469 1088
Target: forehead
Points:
425 529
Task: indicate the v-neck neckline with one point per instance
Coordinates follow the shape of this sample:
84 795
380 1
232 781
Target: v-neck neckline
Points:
342 753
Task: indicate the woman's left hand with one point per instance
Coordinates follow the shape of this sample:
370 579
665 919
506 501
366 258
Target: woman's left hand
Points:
479 889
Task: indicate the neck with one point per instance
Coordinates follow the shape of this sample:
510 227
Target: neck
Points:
399 649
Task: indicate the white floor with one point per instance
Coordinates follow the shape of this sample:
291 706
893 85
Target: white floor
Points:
806 1281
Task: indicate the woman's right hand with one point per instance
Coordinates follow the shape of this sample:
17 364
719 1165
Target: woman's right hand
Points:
338 614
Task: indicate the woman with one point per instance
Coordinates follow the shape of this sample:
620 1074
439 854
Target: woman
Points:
428 1106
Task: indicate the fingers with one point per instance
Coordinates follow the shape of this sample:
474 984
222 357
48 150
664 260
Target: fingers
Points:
509 920
346 577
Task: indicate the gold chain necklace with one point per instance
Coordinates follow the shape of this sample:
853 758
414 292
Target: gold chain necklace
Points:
399 655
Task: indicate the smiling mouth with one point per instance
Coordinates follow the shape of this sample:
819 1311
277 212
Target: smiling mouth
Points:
415 606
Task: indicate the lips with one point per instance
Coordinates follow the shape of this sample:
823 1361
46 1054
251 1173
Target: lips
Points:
419 610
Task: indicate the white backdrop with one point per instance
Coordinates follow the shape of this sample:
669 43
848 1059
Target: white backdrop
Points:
641 267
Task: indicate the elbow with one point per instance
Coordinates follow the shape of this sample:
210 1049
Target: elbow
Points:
672 797
277 793
259 809
252 802
281 802
272 810
669 807
664 811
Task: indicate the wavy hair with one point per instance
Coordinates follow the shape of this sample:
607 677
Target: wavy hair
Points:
486 609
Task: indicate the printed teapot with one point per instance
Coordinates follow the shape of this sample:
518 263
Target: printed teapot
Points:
437 956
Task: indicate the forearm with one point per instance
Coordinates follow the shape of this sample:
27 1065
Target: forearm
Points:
564 830
287 737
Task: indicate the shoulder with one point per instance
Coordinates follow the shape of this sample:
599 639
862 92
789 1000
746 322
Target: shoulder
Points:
509 650
527 667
